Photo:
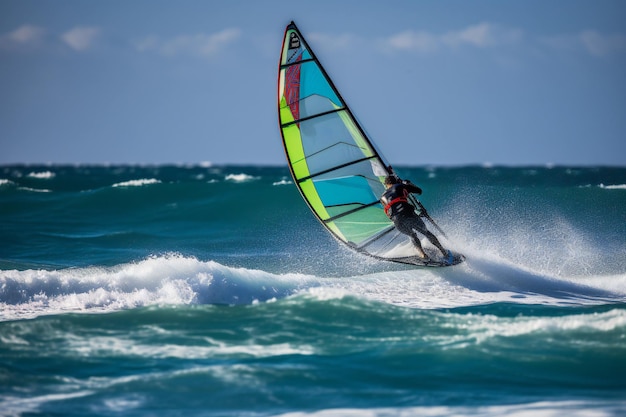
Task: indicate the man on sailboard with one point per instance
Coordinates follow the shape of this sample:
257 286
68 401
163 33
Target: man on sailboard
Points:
398 208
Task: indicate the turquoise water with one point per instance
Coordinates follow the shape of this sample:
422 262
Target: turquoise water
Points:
213 291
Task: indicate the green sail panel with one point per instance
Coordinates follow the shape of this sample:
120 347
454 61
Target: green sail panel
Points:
336 167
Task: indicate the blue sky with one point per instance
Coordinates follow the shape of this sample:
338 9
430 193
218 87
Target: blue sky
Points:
433 82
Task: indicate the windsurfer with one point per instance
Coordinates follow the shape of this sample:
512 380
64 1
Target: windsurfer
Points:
398 208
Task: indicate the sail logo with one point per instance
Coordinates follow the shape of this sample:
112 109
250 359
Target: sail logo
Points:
294 41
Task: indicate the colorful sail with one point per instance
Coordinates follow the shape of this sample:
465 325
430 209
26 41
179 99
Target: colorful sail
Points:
335 165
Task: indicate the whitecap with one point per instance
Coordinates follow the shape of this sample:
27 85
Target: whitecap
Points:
613 187
240 177
571 408
127 346
164 280
35 190
42 175
137 183
479 328
19 406
178 280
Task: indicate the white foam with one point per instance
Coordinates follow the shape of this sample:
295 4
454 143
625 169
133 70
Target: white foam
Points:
137 183
15 406
87 346
171 279
35 190
240 177
576 408
124 403
613 187
470 329
179 280
42 175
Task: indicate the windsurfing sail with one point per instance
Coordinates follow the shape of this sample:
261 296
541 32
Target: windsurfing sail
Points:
336 167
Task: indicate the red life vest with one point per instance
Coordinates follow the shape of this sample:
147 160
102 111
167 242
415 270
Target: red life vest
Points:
392 202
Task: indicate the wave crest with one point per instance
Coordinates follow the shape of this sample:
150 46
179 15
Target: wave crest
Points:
137 183
171 279
177 280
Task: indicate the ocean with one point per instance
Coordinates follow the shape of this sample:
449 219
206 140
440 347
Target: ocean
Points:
201 290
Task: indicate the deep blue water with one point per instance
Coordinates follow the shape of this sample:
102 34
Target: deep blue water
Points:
213 291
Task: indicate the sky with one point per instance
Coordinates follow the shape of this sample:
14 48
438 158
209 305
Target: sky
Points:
448 82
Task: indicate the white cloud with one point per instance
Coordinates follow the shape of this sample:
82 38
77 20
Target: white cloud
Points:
80 38
25 35
202 45
409 40
601 45
590 41
482 35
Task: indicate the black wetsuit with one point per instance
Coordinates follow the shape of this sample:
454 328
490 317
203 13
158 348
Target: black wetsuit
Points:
401 212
